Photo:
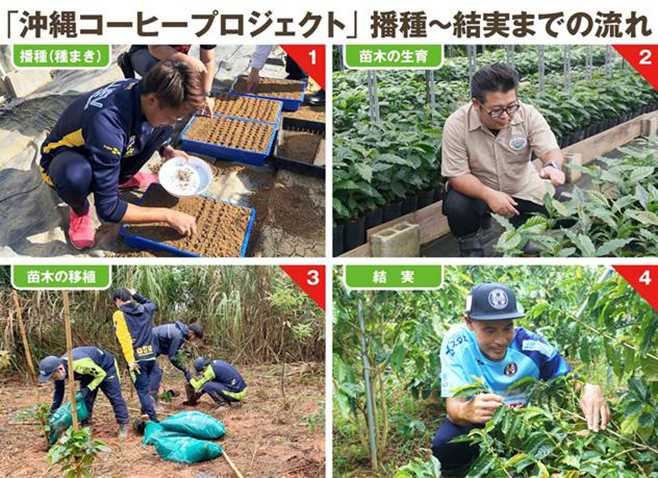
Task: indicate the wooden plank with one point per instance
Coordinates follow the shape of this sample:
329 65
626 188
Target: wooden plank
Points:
610 139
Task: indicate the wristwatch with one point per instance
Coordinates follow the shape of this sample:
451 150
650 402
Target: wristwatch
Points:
553 164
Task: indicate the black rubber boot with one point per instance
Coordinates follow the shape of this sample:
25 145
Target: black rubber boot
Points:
126 66
470 245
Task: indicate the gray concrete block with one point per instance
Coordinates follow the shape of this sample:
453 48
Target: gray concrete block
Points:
400 240
649 127
22 83
571 174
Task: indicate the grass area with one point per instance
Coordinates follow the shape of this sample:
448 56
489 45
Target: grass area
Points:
412 424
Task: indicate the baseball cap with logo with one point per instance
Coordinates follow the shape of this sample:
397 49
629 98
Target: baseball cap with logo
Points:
492 301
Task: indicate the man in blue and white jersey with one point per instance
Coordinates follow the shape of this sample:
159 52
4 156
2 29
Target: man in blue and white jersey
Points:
488 347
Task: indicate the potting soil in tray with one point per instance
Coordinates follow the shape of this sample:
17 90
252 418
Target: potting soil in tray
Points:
221 227
271 87
231 133
299 145
256 109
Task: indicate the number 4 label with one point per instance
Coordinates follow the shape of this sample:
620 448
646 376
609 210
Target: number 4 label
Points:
640 277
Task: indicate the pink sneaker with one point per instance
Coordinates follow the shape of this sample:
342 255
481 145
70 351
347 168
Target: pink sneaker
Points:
81 231
140 181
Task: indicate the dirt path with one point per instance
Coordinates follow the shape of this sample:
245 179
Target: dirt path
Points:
263 439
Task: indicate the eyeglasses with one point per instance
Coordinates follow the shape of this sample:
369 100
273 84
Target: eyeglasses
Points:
498 112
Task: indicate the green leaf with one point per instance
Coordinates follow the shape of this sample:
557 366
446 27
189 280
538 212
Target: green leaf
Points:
612 246
645 217
561 208
509 240
630 424
586 246
641 173
364 171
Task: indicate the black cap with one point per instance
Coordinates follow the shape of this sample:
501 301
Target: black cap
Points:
492 301
197 329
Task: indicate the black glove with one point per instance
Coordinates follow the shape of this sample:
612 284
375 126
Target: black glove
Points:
188 375
84 391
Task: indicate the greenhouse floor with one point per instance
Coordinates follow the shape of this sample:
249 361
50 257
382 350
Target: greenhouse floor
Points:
447 246
290 208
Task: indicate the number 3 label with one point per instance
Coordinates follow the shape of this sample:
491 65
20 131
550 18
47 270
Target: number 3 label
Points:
313 277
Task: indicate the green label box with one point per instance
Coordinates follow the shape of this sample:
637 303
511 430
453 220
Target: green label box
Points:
383 277
61 277
61 56
377 57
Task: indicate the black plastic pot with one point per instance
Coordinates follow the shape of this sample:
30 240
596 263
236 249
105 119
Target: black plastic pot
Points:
409 204
374 218
425 198
562 143
391 211
578 136
598 127
355 233
339 240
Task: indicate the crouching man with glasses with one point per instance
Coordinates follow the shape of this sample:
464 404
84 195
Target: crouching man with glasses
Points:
487 150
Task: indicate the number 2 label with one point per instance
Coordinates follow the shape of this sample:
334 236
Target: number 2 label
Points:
645 59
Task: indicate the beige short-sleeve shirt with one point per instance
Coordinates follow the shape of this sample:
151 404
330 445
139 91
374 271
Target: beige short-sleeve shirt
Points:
501 162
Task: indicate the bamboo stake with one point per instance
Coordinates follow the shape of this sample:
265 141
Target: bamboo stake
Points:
26 344
129 284
230 463
69 351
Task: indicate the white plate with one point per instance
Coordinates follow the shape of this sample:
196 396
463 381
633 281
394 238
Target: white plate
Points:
168 176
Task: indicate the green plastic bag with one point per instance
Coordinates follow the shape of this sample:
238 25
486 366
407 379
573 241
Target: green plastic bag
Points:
185 449
153 430
62 419
175 446
195 424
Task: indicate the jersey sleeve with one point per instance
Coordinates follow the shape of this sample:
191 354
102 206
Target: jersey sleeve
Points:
453 374
86 366
123 335
549 361
58 396
149 306
104 141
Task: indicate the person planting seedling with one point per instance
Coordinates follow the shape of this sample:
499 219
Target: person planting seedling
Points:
486 154
487 347
105 137
218 379
133 324
94 369
169 340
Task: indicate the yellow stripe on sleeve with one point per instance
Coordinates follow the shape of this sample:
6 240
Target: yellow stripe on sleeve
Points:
123 335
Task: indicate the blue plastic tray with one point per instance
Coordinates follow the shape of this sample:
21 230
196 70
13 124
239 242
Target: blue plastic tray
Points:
142 243
288 104
276 123
222 152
